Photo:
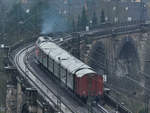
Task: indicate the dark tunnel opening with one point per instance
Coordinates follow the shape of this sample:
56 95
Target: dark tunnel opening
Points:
128 62
128 51
127 67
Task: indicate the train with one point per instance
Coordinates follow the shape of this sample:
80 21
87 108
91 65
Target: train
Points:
77 76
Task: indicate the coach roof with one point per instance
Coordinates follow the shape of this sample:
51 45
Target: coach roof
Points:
68 61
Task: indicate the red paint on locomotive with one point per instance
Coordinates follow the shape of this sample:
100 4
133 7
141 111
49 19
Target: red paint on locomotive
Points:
85 85
89 85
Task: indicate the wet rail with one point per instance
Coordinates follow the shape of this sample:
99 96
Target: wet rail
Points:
102 33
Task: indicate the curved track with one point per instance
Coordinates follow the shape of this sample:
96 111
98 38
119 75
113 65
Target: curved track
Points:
36 82
24 61
43 84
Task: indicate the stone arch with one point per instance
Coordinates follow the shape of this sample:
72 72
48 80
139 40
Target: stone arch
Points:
127 57
127 64
127 49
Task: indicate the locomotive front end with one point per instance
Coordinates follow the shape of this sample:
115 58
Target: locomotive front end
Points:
90 84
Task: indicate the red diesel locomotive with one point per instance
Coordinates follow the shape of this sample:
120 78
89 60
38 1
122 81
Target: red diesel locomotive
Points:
75 74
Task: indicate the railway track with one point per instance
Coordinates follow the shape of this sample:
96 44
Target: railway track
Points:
102 109
48 95
29 75
37 82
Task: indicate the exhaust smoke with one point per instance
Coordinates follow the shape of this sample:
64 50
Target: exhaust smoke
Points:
53 21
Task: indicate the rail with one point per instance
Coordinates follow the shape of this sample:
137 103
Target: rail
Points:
118 31
102 109
25 60
115 104
28 66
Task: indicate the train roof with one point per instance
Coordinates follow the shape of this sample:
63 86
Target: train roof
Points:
72 64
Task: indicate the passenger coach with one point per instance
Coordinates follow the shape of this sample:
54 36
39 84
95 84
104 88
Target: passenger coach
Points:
75 74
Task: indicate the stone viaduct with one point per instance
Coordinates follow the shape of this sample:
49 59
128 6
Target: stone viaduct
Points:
122 58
